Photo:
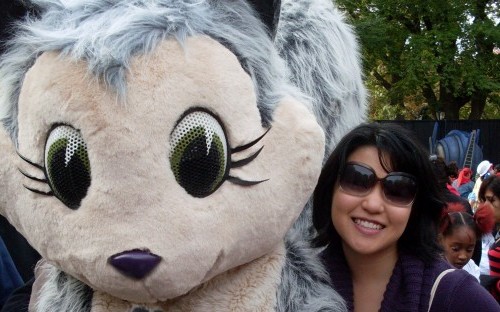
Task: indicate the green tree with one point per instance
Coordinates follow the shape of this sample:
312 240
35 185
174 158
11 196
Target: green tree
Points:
423 57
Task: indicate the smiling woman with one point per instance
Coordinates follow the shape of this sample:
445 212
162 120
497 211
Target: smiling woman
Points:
376 209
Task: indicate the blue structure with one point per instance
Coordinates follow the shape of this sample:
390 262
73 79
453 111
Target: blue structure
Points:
459 146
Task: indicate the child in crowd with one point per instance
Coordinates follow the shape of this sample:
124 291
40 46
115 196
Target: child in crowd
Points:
459 232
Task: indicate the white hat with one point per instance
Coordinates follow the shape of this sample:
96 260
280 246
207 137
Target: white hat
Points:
483 168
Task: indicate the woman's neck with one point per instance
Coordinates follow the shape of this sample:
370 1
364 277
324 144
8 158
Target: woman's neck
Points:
370 275
371 267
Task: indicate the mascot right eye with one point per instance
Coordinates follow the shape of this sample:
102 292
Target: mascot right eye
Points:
67 165
199 153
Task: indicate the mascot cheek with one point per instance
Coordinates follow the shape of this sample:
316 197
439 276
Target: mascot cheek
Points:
297 145
291 160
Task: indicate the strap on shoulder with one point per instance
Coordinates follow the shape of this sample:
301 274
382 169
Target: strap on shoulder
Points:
435 286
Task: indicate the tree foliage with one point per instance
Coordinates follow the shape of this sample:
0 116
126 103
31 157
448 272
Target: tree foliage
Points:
423 57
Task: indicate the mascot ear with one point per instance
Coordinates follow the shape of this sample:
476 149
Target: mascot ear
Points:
269 12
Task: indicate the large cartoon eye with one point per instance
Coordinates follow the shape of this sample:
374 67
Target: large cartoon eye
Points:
67 165
199 153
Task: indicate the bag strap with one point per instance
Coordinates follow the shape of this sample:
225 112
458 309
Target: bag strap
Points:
435 286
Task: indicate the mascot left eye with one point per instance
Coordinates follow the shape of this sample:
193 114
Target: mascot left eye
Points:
67 165
199 153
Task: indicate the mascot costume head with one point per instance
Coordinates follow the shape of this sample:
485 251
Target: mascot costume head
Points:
158 153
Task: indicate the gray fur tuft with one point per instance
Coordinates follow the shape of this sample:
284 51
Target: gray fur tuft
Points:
63 293
322 54
304 282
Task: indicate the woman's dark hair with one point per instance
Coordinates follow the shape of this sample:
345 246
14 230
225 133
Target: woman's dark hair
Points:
440 170
492 183
398 151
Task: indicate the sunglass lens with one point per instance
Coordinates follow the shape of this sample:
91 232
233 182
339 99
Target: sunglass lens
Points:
400 189
356 179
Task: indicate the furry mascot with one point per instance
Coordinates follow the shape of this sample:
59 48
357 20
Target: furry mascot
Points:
158 153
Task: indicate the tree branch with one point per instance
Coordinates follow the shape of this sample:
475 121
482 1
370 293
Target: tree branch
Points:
386 84
429 95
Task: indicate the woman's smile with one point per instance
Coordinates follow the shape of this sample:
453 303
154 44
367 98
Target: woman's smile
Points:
368 225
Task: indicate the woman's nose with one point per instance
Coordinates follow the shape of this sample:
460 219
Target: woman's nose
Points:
374 201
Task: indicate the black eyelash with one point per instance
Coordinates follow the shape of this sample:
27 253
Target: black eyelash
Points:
34 178
38 191
242 182
248 145
30 162
246 161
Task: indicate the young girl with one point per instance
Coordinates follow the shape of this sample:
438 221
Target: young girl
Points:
377 209
459 232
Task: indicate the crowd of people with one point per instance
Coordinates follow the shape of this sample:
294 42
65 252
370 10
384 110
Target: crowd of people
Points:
469 230
400 231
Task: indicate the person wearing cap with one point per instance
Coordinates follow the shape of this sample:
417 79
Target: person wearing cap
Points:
483 170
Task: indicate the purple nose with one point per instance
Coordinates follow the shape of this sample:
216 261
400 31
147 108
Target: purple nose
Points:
135 263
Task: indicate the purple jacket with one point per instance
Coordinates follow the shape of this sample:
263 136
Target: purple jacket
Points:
410 286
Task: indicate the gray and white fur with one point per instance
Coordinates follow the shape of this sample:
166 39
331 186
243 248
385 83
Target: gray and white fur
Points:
304 282
314 57
63 293
323 58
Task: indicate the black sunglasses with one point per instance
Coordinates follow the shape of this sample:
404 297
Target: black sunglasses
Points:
399 188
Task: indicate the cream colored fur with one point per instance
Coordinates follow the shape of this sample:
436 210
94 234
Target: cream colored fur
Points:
134 201
251 287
